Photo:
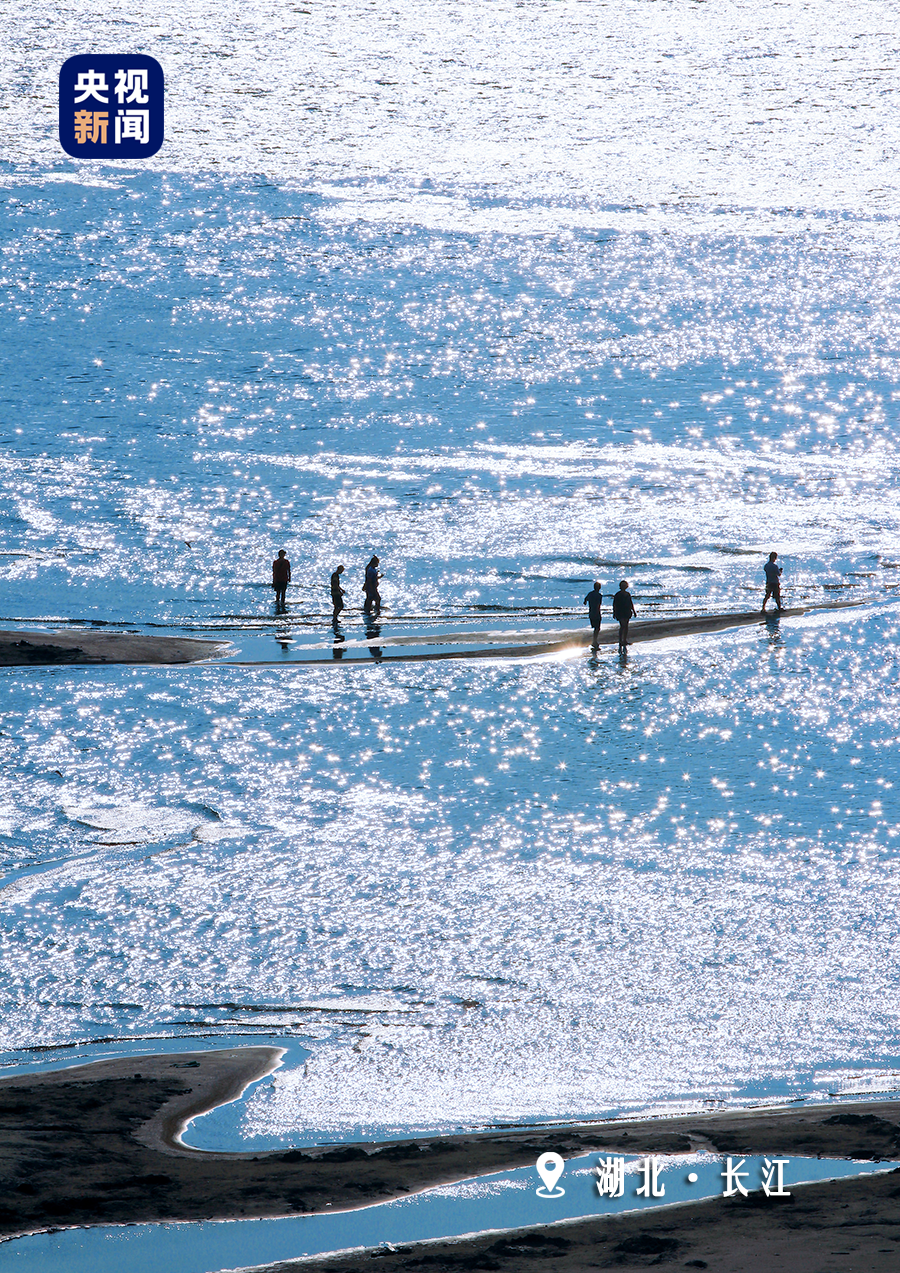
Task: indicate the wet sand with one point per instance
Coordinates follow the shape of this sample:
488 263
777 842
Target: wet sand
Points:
639 631
24 649
387 648
90 647
99 1144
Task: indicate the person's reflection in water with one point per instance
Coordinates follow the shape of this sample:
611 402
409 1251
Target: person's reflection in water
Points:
283 634
339 639
773 628
373 630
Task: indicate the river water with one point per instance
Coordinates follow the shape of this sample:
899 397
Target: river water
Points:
515 297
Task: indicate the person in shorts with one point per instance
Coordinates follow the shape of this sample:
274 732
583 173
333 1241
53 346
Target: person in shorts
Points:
773 581
593 601
281 577
337 592
370 587
623 609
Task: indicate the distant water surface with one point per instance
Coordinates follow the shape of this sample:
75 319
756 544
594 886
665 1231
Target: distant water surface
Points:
516 298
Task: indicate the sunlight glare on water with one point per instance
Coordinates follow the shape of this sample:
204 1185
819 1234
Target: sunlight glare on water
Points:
516 297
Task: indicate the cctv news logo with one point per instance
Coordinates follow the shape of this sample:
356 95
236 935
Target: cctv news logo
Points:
111 106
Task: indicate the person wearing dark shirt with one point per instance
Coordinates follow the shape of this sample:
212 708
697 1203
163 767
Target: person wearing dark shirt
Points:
370 587
623 609
593 602
337 592
773 581
281 577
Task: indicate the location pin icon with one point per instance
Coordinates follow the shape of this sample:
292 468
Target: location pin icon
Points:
550 1167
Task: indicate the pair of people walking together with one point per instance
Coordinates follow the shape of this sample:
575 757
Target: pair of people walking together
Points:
623 609
370 588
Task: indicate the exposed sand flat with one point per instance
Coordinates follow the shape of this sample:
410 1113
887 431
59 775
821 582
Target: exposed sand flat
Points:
98 1144
638 632
89 646
387 648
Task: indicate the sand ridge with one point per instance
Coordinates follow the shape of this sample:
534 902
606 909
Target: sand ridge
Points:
87 647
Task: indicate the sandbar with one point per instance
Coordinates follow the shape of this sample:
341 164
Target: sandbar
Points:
86 646
409 648
100 1144
639 631
90 647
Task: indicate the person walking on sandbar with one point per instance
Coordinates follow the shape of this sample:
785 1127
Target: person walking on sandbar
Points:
623 609
337 593
593 602
773 581
281 577
370 587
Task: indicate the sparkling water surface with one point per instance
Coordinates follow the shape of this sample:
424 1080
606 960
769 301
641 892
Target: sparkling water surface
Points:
517 298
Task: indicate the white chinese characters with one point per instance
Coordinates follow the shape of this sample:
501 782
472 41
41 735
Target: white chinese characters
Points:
611 1177
773 1172
611 1171
131 86
134 124
91 84
651 1188
111 106
734 1177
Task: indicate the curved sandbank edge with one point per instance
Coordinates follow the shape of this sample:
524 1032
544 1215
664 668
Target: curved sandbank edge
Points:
224 1076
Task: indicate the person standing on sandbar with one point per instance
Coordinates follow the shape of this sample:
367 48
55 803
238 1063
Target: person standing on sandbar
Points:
337 593
370 587
593 601
773 581
281 577
623 609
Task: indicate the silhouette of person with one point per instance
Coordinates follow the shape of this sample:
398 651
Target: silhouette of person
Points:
337 592
593 602
773 581
623 609
370 587
281 577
